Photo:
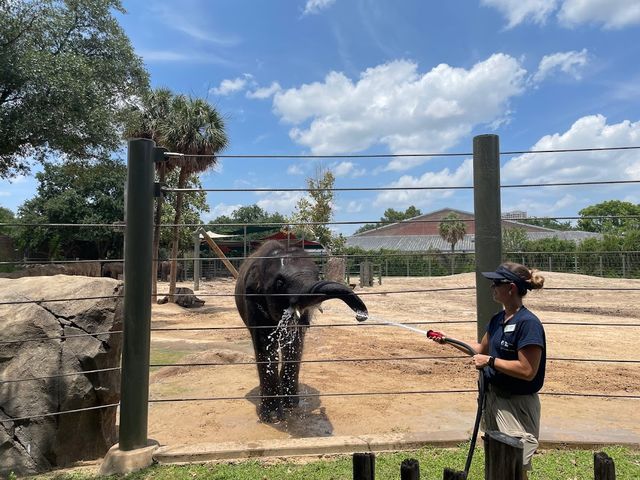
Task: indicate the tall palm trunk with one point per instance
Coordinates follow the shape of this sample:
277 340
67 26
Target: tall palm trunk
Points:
156 237
175 243
453 259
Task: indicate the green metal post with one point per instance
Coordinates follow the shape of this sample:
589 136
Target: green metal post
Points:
138 241
488 236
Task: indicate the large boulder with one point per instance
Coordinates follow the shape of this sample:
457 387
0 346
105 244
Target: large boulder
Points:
30 369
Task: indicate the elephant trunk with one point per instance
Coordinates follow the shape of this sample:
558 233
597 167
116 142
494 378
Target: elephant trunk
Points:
326 290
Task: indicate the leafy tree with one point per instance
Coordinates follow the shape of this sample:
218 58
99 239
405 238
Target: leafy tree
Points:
514 239
452 229
553 244
251 215
317 209
78 193
547 223
147 121
185 125
610 211
392 216
196 130
193 206
67 73
6 216
255 214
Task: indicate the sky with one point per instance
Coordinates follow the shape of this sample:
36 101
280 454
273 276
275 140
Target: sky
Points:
345 77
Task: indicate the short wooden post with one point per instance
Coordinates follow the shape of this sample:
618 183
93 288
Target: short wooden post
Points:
366 274
364 466
503 456
410 469
453 475
603 467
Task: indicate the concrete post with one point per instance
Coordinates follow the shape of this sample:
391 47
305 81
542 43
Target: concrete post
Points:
134 450
488 236
137 296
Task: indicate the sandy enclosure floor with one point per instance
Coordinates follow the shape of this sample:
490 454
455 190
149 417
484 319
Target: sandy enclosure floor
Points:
382 358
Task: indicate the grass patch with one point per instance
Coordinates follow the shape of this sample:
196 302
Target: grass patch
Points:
548 464
166 356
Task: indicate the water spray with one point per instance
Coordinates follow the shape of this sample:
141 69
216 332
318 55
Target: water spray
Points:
441 338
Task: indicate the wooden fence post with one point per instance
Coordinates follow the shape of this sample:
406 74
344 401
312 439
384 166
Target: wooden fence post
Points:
502 456
453 475
364 466
410 469
603 467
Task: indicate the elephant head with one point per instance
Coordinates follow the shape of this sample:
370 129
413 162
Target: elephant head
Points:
278 288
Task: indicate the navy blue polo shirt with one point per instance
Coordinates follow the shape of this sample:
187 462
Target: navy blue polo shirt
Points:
523 329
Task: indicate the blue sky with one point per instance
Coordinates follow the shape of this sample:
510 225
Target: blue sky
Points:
377 76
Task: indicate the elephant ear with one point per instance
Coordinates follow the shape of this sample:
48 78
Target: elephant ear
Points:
253 279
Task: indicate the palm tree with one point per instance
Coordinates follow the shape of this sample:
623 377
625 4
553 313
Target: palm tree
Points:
148 121
452 230
197 131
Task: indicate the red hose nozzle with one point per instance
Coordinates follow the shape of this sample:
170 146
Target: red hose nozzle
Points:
436 336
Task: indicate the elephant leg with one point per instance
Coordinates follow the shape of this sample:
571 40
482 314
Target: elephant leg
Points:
290 372
266 351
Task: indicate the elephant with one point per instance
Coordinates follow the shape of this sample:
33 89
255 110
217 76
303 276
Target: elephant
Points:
276 292
165 270
112 269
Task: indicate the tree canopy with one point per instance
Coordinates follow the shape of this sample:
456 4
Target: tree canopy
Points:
610 212
82 193
313 212
452 229
68 74
78 193
392 216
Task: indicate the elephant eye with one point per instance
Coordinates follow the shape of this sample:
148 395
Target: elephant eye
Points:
279 283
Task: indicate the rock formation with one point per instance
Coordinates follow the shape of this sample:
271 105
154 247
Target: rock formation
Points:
34 445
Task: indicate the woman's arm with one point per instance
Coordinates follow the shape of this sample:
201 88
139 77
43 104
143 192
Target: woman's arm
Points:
524 368
482 347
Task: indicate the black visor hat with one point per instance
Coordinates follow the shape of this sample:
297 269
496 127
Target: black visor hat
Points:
506 275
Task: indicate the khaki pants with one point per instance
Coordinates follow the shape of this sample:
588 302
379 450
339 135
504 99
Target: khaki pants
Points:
517 416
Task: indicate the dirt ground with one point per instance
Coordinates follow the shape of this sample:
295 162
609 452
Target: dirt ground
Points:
396 369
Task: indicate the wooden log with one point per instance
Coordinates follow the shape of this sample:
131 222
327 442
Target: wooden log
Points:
450 474
410 469
214 246
603 467
364 466
502 456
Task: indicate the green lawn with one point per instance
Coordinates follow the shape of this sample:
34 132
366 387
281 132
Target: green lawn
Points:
549 465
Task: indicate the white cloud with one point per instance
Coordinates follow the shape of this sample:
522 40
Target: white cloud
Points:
347 169
613 14
295 169
589 131
394 105
570 63
265 92
518 11
354 207
315 6
461 176
166 56
5 194
192 25
229 86
219 210
283 202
